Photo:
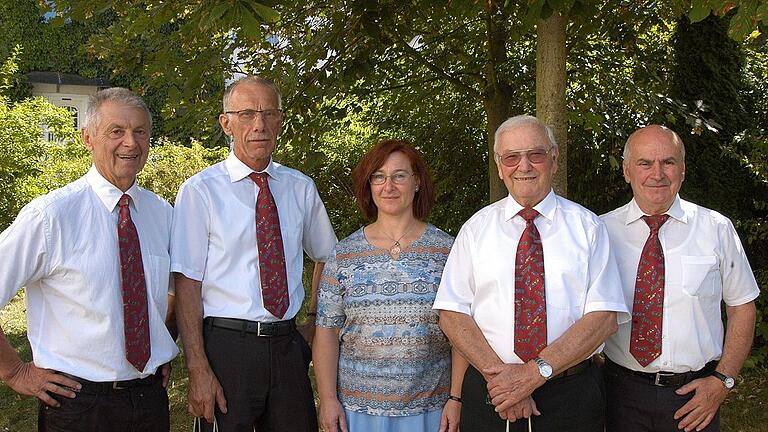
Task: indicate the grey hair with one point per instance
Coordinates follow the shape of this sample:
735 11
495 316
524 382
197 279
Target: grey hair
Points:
522 120
675 140
252 79
118 95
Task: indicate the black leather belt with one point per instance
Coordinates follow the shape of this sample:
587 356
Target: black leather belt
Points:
574 370
265 329
665 379
110 386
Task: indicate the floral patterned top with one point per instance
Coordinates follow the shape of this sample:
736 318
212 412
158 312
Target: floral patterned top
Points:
393 358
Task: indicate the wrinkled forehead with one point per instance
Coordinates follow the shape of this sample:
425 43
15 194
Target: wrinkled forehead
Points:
252 96
523 137
121 114
655 143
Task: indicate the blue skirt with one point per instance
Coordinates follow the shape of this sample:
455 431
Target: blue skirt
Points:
361 422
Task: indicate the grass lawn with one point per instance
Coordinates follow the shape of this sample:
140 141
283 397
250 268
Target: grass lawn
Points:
746 409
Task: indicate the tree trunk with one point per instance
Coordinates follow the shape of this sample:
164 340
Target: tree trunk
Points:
497 93
550 88
497 110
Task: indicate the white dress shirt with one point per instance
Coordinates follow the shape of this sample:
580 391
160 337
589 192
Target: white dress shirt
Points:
214 236
580 275
63 247
704 265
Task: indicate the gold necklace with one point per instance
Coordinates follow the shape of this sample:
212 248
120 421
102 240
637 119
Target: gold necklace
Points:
396 248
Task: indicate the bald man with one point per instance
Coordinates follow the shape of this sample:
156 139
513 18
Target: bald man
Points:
673 365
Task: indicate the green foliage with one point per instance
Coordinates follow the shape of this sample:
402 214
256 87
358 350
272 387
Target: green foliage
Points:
23 147
169 164
748 16
615 79
446 128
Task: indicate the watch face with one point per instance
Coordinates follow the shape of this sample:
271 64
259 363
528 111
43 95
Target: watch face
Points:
545 370
729 382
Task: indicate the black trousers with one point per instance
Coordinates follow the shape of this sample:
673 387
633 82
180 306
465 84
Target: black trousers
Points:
574 403
137 409
265 381
636 405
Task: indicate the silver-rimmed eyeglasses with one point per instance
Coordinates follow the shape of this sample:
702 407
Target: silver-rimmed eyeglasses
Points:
399 177
247 115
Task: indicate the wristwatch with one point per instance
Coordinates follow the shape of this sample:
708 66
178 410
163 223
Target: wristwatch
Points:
728 382
545 369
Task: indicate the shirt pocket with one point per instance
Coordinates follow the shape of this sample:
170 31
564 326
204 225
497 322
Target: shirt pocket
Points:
700 275
159 271
565 282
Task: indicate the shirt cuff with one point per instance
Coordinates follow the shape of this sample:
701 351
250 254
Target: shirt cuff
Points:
622 314
452 306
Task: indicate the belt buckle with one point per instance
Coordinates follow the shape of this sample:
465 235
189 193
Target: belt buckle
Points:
659 376
258 329
115 386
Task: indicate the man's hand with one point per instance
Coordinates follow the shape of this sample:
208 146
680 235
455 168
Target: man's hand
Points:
307 331
332 416
509 384
203 392
523 409
166 371
30 380
698 412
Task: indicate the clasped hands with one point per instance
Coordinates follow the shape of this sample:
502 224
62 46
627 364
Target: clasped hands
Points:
510 387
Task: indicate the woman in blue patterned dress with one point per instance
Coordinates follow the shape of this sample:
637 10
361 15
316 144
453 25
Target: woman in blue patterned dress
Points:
382 364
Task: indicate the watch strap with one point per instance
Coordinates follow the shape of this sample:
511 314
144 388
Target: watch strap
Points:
724 378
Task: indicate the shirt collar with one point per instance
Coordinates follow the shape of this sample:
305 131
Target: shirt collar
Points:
109 194
675 211
545 207
237 170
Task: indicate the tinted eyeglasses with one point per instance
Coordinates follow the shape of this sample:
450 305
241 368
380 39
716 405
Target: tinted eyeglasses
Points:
534 156
400 177
248 115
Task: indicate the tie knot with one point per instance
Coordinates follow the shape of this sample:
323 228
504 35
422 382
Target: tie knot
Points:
124 200
259 178
656 221
528 214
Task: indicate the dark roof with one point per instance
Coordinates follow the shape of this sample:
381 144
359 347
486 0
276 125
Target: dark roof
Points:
65 79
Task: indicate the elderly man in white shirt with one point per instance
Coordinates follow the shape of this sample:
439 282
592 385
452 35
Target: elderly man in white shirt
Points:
529 293
673 365
94 258
239 232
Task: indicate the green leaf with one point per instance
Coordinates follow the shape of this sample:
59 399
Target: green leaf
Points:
217 12
266 13
699 11
761 13
533 13
741 24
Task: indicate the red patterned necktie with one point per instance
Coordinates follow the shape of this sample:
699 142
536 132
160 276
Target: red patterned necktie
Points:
274 283
648 307
530 300
135 314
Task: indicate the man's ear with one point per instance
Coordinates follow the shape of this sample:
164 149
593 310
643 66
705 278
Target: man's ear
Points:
625 169
224 122
87 139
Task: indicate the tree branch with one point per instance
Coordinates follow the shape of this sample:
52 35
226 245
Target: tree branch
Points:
416 55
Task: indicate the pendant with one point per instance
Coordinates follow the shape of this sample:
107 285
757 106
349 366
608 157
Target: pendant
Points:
395 250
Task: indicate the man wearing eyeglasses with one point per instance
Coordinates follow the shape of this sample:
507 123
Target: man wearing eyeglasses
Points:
672 367
529 294
239 232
